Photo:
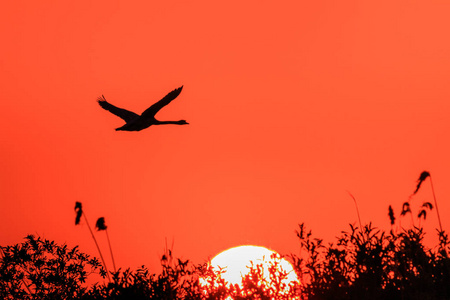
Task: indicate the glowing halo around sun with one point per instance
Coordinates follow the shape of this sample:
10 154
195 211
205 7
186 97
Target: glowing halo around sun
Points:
235 263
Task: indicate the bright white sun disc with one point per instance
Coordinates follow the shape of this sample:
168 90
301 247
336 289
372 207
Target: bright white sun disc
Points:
236 263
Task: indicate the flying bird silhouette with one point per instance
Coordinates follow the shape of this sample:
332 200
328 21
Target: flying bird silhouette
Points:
135 122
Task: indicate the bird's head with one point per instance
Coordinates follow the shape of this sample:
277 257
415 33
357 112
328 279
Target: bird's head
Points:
182 122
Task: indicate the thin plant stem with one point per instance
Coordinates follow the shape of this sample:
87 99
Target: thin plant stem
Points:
412 219
110 250
359 217
435 204
357 210
96 244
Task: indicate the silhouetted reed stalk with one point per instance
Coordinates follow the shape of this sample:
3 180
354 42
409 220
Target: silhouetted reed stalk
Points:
96 244
435 204
424 175
411 215
167 256
100 225
80 211
110 250
357 210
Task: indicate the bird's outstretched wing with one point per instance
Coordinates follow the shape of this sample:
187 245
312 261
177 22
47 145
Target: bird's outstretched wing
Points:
126 115
152 110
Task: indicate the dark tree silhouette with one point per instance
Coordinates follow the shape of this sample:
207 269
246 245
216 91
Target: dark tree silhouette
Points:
135 122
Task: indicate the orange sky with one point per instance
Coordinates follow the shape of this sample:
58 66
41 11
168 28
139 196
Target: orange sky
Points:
290 105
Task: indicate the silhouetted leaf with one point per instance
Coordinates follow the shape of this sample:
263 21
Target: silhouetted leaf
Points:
391 215
79 211
100 224
422 177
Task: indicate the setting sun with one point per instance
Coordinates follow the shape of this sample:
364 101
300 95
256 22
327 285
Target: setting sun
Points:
238 266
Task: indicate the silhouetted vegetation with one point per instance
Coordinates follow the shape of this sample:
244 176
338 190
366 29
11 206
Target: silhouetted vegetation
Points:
80 212
363 263
373 264
41 269
100 225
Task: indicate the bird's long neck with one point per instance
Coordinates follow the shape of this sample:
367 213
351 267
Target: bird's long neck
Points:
181 122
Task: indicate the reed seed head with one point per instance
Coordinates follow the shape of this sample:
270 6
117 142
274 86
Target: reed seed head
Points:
405 209
100 224
391 215
79 212
424 175
427 205
422 214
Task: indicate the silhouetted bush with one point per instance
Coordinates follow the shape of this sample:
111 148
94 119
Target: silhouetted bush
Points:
41 269
373 264
176 281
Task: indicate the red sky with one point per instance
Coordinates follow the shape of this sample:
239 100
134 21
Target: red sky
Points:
290 105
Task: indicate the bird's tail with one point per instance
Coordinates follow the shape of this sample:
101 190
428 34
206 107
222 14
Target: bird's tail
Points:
102 98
